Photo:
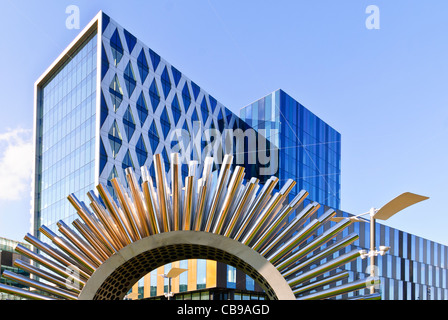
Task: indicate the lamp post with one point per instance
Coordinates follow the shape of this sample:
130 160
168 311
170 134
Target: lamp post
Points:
173 273
394 206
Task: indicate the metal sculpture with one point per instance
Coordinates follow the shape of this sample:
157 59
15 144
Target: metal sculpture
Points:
217 203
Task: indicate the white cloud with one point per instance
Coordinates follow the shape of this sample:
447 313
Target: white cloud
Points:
16 163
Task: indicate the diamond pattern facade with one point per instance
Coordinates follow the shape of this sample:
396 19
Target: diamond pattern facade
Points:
148 98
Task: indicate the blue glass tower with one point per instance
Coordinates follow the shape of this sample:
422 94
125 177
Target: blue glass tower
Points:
309 149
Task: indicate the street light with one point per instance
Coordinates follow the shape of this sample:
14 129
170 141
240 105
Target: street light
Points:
394 206
173 273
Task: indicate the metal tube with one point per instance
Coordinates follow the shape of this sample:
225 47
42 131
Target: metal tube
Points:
151 210
317 242
88 218
293 242
270 211
323 268
291 227
323 282
271 230
39 285
53 266
201 202
256 205
284 191
116 240
234 184
69 249
127 210
90 237
188 203
80 243
114 212
161 191
220 186
176 190
244 202
24 293
290 245
136 197
351 286
321 255
204 194
61 282
57 255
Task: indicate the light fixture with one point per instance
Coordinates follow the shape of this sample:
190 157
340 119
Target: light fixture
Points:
394 206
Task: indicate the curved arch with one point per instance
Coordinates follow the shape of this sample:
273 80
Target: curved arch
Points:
114 278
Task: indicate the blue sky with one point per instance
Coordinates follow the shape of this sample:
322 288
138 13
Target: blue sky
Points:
384 90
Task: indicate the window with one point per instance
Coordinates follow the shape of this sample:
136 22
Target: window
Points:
231 277
116 47
116 93
142 109
201 273
153 137
129 79
129 124
141 151
155 59
175 107
186 97
183 278
142 65
166 82
115 139
165 122
154 95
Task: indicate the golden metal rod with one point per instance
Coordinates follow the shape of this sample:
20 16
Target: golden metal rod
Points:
272 229
161 192
114 212
218 193
188 208
291 227
91 238
256 205
24 293
315 243
176 190
69 249
234 184
53 278
338 245
39 285
47 263
244 202
323 282
127 210
112 231
323 268
80 243
88 218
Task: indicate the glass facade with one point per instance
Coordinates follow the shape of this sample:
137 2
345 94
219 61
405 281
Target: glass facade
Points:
309 149
66 136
